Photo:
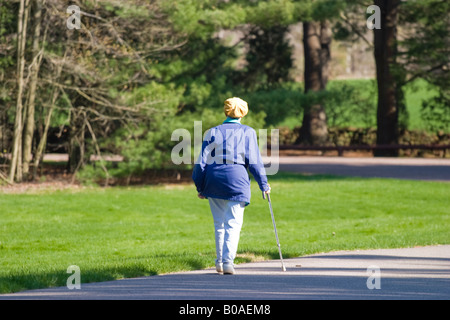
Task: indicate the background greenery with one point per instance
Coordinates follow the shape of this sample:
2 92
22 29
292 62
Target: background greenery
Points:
136 70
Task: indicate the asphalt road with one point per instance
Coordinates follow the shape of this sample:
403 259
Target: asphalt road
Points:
399 168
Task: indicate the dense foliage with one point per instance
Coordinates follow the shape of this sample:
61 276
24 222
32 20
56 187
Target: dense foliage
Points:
136 70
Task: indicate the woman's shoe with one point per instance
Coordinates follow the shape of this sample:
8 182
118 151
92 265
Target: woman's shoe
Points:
219 267
228 268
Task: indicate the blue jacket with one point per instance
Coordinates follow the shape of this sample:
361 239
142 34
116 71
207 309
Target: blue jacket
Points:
228 150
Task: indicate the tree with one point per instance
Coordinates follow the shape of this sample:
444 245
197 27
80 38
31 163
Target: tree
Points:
316 44
421 52
16 159
424 46
88 79
385 46
389 74
424 50
269 57
317 38
30 107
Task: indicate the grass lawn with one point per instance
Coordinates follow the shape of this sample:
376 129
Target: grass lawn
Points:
126 232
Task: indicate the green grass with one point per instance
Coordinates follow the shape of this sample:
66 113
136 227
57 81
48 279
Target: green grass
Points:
127 232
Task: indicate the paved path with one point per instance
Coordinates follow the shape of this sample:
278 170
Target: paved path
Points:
414 273
400 168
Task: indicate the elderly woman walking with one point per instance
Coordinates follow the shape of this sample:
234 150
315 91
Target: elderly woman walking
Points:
220 175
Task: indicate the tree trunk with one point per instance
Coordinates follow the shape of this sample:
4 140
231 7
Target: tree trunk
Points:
15 172
43 141
30 110
325 51
76 145
385 40
316 43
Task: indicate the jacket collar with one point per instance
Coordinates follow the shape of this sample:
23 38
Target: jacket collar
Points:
232 120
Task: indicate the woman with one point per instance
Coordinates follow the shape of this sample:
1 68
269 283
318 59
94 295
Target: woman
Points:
220 175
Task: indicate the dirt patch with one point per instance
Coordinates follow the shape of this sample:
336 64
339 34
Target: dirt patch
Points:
40 187
54 177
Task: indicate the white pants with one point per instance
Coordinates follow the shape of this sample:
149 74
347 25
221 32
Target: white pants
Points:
228 218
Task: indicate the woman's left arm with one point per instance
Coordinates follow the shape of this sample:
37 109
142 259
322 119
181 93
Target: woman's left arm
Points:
254 160
198 174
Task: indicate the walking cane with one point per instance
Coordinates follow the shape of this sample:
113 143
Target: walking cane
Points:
275 228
